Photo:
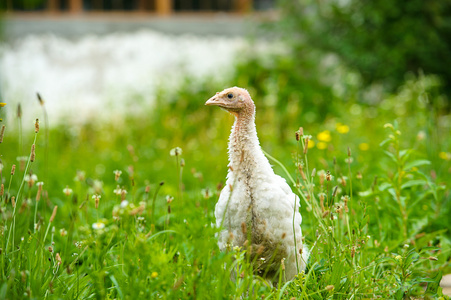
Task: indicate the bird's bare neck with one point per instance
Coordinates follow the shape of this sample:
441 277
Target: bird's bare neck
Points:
243 142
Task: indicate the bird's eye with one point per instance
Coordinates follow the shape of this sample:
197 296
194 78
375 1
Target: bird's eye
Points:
230 96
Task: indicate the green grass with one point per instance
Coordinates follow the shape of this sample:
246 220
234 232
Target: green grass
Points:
378 227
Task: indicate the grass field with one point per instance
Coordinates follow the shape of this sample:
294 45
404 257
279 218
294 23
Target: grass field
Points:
113 211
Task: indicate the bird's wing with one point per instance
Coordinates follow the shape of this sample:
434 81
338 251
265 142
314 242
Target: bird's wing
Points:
282 183
275 194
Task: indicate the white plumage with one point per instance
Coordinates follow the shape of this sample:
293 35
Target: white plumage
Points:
257 205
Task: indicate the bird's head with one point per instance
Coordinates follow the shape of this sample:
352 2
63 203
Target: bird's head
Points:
235 100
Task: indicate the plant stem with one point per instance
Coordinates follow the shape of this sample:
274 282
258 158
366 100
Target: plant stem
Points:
18 198
153 202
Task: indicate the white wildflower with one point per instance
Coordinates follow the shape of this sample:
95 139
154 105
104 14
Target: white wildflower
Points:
98 226
206 193
81 175
67 191
97 186
177 151
117 174
117 191
169 199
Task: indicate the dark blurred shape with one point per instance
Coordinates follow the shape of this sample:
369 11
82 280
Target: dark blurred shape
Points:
162 7
381 39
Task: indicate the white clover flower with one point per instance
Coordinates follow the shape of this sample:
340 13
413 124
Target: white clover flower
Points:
349 160
67 191
124 204
81 175
342 180
117 174
98 226
97 186
117 191
177 151
30 179
206 193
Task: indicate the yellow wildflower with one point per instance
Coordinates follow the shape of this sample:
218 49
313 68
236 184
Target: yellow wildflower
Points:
341 128
321 145
444 155
154 275
311 144
364 146
2 104
324 136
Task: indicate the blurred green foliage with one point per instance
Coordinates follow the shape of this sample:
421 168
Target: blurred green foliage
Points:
382 40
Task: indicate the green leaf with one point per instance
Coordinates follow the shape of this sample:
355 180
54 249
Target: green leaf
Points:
366 193
434 283
413 183
392 156
383 186
385 142
392 192
386 259
412 257
429 248
416 163
364 221
116 286
418 226
404 154
399 295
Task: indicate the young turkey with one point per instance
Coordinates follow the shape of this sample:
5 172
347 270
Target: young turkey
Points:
257 205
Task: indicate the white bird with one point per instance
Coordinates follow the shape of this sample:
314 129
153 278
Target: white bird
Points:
257 207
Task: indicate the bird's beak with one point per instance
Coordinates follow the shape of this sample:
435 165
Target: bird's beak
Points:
213 101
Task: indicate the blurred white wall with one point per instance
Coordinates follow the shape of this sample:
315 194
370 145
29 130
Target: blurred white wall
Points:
96 76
